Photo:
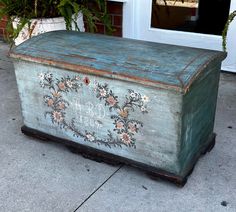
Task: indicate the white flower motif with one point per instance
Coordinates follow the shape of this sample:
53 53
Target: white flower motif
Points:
90 137
133 95
69 83
48 76
143 109
42 84
103 92
46 98
145 99
41 76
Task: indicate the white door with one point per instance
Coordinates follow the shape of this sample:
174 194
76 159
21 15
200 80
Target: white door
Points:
137 25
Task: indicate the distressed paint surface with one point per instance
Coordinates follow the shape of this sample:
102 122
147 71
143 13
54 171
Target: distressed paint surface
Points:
168 66
199 106
160 126
125 127
155 145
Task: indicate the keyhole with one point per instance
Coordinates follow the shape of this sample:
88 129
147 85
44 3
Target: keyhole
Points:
86 81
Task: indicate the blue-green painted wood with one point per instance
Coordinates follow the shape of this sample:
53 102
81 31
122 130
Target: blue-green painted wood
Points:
160 126
198 115
165 64
155 143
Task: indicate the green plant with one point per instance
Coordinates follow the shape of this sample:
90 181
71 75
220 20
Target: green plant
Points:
26 10
231 17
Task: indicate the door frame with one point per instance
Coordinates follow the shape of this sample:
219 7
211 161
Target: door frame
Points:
137 25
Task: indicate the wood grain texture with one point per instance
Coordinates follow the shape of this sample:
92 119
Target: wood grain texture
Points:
150 103
198 115
160 124
161 65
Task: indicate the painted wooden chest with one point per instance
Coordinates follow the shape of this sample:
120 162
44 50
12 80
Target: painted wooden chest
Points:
146 104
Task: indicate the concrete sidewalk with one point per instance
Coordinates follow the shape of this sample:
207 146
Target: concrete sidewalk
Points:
46 177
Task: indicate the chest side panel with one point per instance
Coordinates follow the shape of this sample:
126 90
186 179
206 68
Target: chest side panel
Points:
126 119
199 106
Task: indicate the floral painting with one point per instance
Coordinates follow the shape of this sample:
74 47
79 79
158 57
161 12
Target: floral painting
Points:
124 126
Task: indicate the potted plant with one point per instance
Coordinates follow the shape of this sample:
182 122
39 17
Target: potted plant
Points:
27 18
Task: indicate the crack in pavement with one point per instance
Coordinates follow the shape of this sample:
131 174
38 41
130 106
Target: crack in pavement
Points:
98 188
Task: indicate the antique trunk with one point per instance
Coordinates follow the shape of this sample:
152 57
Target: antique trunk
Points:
145 104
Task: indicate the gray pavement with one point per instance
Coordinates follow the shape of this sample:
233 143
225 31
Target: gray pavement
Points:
39 176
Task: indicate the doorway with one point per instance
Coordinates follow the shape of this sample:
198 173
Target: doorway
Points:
195 23
198 16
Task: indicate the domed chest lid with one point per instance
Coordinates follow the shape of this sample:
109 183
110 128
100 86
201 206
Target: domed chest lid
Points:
147 63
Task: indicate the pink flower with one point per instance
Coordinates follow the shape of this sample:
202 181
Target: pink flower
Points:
125 137
57 116
62 86
61 106
132 128
50 102
119 125
111 100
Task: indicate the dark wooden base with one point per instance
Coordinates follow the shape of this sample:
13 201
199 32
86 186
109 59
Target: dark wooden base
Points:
101 156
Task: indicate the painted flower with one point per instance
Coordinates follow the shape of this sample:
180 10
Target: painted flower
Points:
57 116
61 106
123 112
56 94
125 137
90 137
48 76
50 102
42 84
69 83
132 128
125 128
133 94
119 125
46 98
62 86
143 109
41 76
111 100
145 99
103 92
